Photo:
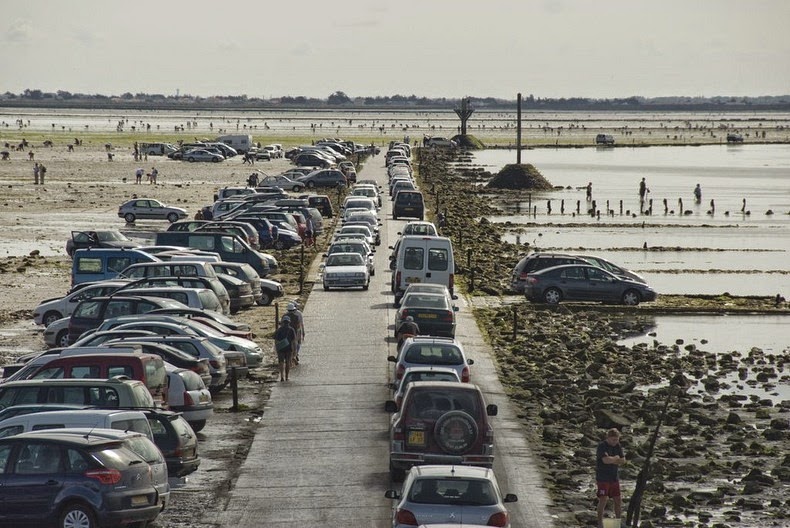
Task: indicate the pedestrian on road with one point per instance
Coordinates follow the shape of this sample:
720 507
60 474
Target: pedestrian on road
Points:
297 323
608 458
407 328
36 170
284 344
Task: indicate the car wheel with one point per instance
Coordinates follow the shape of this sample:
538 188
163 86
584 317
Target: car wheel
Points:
455 432
172 218
366 286
394 216
76 515
311 185
62 339
190 159
215 159
397 474
297 188
552 296
129 217
51 317
631 298
266 299
198 425
279 244
326 288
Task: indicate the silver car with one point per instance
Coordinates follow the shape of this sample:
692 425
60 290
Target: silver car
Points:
346 270
423 351
465 495
203 155
149 209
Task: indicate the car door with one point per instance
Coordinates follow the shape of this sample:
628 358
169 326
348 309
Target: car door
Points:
601 285
33 478
573 283
142 208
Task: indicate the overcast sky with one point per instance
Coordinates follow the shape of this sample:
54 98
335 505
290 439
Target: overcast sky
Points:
432 48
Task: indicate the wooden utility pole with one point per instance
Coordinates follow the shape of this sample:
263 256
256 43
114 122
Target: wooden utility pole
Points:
518 131
464 112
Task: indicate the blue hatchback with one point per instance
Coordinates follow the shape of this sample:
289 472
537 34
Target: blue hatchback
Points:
65 480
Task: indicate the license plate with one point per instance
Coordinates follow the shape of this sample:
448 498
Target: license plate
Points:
140 500
203 398
412 280
416 437
427 316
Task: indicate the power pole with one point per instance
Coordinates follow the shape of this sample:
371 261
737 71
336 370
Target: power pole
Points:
518 131
464 112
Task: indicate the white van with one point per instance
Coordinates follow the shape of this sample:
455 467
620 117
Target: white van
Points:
239 142
91 418
423 259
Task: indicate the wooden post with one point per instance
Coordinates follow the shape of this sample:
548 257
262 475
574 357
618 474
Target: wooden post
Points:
518 130
515 321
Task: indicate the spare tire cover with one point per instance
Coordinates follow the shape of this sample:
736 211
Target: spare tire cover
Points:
455 432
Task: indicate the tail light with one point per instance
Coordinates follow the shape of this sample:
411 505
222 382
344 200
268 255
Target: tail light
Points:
451 282
407 518
489 438
105 476
214 364
404 314
464 375
532 280
397 433
498 519
401 370
397 280
523 275
188 401
447 317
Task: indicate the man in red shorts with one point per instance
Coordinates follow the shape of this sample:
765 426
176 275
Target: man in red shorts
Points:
608 458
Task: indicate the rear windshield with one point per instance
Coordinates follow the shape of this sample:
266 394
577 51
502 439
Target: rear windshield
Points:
145 447
453 491
117 457
409 197
433 354
192 382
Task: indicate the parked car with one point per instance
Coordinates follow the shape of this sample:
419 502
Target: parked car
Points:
328 178
422 374
311 159
320 202
408 203
420 351
213 283
584 282
440 142
427 287
604 139
355 246
283 182
30 408
186 225
50 310
101 238
363 230
434 313
188 395
101 481
537 261
346 270
203 155
107 393
264 290
177 441
419 227
149 209
442 494
440 423
613 268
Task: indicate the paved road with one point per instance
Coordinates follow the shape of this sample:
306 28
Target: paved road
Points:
321 455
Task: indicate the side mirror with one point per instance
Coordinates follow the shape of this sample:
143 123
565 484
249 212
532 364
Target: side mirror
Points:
454 297
325 255
492 410
392 359
392 494
390 406
455 308
470 361
400 233
390 247
510 497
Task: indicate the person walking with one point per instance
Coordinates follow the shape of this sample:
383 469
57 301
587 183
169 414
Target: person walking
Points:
589 191
42 172
698 194
297 323
284 344
608 458
153 175
643 190
138 175
36 170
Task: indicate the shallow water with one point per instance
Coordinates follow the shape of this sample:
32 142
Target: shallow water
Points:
753 240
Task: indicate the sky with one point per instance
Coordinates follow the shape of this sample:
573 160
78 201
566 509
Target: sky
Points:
428 48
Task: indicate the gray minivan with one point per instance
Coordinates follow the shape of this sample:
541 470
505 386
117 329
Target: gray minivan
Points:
230 248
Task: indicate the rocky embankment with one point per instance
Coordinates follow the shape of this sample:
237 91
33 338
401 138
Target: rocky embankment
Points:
722 456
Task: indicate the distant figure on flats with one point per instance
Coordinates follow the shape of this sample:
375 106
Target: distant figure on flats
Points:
698 194
36 170
138 175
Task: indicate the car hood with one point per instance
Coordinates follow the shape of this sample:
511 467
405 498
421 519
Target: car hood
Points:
345 269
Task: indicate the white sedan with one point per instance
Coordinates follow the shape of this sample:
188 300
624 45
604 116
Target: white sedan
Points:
283 182
203 155
346 270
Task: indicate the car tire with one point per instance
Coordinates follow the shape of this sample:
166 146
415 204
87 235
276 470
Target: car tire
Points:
631 298
326 288
62 339
278 244
50 317
266 299
311 185
366 286
129 217
552 296
77 515
297 188
198 425
215 159
190 159
397 474
172 218
455 432
394 216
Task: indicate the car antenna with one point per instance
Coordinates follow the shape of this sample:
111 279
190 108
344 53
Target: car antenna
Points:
88 434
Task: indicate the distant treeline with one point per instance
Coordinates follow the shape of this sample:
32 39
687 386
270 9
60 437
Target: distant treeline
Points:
339 100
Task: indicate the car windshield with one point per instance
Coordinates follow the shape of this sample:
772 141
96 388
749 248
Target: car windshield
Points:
453 491
433 354
424 300
107 236
429 376
345 260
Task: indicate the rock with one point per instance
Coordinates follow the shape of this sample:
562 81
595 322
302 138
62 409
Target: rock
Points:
733 418
523 176
607 419
679 502
658 512
752 488
781 424
756 475
774 435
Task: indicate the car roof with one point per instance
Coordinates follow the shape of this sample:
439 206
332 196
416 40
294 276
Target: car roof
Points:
61 437
68 381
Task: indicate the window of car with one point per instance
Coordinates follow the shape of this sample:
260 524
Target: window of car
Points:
414 258
11 430
597 275
75 461
89 265
572 273
5 453
437 259
88 309
433 354
453 492
192 382
116 370
118 264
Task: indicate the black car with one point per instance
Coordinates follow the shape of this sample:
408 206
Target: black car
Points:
536 262
584 282
308 159
73 480
109 238
176 439
408 203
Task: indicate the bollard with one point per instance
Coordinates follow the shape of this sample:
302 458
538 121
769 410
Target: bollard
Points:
562 207
515 321
578 206
621 208
276 313
529 202
472 280
548 206
469 258
234 388
535 212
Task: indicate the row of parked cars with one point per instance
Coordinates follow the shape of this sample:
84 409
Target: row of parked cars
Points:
441 435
